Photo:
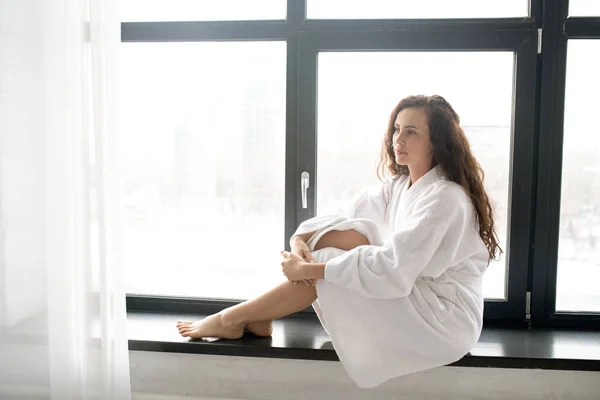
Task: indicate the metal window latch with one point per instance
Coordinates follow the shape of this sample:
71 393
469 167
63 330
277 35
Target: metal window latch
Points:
528 308
304 184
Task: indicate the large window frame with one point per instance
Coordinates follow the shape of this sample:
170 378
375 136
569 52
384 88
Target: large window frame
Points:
537 131
559 28
524 46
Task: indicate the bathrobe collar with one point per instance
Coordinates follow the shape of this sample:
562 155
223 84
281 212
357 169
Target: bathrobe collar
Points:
433 175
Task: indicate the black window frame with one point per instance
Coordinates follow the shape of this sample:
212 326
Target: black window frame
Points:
536 126
524 44
559 28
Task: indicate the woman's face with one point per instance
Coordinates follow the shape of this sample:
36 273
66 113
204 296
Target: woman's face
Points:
412 146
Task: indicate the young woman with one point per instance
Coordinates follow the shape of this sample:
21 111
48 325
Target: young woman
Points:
399 275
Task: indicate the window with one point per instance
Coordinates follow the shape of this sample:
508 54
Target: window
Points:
221 120
579 242
202 10
385 9
204 163
353 116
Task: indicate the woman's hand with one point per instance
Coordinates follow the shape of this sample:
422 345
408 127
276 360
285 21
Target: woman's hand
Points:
299 247
293 266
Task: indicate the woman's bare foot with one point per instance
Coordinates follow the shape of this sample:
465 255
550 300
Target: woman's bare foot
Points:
260 328
211 326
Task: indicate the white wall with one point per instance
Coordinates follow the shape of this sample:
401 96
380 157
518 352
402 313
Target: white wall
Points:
171 376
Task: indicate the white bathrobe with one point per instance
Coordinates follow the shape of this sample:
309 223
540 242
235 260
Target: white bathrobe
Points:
412 300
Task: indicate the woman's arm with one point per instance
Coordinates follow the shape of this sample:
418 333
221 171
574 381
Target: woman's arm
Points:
440 232
315 270
301 269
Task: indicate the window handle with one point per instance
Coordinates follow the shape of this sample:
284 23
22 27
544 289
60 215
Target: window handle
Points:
304 184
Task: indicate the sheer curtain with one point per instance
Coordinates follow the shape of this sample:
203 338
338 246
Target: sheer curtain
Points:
62 304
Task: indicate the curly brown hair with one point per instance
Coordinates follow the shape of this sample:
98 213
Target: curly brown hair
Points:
452 152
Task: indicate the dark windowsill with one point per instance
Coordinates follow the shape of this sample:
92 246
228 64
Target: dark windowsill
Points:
302 337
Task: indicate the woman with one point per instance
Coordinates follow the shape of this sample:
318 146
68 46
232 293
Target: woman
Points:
399 276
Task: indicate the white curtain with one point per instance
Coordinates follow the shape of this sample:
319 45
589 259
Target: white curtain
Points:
62 304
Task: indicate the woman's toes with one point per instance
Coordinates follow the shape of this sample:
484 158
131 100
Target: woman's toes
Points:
211 326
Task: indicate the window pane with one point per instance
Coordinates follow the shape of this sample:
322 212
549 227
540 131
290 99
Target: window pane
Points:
387 9
353 115
584 8
203 148
579 240
201 10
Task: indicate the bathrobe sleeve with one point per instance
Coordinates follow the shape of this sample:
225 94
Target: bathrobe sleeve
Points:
438 234
370 204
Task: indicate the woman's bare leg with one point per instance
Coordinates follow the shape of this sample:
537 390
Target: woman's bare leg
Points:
282 300
256 315
344 240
